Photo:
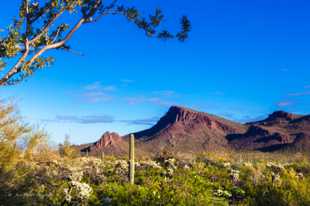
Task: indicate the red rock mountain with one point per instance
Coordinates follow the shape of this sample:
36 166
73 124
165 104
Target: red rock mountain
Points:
281 130
186 130
183 130
109 143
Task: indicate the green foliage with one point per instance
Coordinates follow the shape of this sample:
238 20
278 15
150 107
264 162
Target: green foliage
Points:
12 131
92 181
68 150
2 64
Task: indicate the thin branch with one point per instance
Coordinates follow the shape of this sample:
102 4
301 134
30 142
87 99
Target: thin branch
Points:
43 10
110 9
46 27
57 44
56 35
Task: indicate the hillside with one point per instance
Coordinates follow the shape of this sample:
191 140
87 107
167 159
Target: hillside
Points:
183 130
280 130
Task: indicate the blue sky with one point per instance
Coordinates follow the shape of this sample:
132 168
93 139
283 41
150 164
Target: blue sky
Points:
244 59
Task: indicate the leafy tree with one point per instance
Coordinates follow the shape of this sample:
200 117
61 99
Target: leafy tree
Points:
68 150
40 27
12 133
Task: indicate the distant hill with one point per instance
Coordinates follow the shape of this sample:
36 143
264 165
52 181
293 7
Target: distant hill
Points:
183 130
281 130
109 143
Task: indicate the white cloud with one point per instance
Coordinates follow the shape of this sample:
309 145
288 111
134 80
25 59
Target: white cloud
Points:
90 119
98 86
146 121
97 92
284 103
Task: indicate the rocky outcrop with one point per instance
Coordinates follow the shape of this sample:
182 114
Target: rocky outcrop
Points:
188 119
278 117
108 139
109 143
280 131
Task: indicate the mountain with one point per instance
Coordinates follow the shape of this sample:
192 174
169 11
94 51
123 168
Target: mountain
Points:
183 130
280 130
109 143
186 130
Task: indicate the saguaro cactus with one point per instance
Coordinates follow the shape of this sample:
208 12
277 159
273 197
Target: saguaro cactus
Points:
132 159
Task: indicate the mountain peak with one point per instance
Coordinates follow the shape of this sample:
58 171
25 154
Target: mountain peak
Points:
277 115
178 113
109 143
180 119
108 138
178 109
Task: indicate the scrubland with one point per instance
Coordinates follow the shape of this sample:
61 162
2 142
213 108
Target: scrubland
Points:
33 173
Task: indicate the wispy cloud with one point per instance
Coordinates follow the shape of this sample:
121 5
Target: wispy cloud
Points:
165 93
284 103
97 119
159 97
98 86
90 119
159 101
97 92
96 96
299 94
147 121
150 100
127 81
135 100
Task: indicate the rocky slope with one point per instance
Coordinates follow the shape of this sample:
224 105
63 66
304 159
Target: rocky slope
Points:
280 130
109 143
185 130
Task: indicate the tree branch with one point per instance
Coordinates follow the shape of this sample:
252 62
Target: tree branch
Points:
46 27
15 68
34 31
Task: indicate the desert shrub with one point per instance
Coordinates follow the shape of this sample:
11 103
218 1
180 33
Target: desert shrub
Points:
166 183
276 184
67 149
160 192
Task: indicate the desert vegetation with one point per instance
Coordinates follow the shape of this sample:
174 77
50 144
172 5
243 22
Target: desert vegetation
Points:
33 173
